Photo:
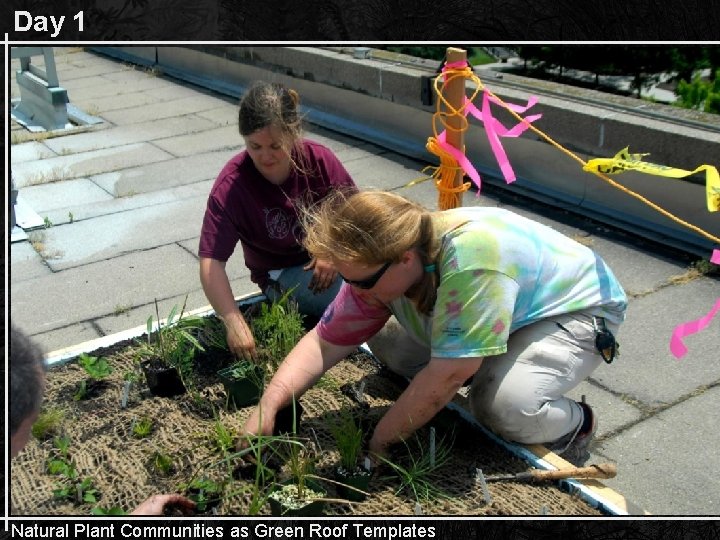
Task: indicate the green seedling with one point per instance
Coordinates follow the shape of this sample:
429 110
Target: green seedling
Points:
223 438
277 329
348 436
47 223
97 369
173 343
48 424
163 464
417 470
204 492
77 492
142 428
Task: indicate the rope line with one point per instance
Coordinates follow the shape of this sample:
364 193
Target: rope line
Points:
445 173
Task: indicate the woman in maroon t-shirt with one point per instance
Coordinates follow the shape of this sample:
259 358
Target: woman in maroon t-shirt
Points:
255 202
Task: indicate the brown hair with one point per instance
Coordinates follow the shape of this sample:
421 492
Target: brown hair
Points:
272 104
374 227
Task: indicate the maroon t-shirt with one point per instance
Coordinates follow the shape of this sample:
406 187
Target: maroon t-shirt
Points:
243 206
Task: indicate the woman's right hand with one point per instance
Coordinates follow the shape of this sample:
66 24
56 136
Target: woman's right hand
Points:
239 338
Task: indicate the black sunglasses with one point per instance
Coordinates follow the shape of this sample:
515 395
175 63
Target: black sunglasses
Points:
367 283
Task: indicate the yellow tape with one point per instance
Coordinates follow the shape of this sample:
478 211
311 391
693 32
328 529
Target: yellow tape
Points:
625 161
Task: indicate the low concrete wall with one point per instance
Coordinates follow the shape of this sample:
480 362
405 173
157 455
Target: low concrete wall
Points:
380 99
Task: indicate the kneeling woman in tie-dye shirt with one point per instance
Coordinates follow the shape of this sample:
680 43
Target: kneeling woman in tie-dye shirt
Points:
445 297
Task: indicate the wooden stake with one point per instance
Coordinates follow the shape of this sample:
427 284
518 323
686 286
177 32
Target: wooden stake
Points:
454 92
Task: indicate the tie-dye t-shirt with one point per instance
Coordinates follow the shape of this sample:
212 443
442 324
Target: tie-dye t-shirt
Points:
498 272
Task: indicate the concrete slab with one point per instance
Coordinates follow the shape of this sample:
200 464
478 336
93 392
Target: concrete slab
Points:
29 151
134 133
26 263
165 109
151 177
223 115
235 267
108 236
53 340
82 212
138 316
221 138
612 411
65 194
106 86
381 172
115 102
677 442
86 163
96 290
646 371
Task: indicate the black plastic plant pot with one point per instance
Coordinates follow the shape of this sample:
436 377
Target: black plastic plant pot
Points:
358 478
280 505
163 381
287 419
243 383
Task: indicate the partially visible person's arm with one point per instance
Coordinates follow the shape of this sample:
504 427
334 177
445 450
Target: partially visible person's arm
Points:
428 392
305 364
155 505
217 288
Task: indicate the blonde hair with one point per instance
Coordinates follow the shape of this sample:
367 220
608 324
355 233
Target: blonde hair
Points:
374 227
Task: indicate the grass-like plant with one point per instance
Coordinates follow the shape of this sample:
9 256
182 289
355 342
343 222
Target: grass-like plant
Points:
48 424
174 343
222 437
348 436
277 329
163 464
417 469
142 428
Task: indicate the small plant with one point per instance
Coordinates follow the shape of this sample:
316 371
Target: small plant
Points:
77 492
163 464
142 428
173 343
96 367
69 487
97 370
71 217
278 328
120 309
223 438
47 223
348 436
205 492
212 334
416 473
48 423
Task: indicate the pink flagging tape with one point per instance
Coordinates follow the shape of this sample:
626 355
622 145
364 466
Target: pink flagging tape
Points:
715 258
677 347
494 130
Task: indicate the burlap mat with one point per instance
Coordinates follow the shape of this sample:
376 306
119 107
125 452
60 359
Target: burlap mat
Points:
103 447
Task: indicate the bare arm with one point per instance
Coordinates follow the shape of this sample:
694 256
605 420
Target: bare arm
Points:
217 288
428 392
305 364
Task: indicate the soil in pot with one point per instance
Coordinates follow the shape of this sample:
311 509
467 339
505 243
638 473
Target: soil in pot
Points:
243 383
284 500
162 380
358 478
287 419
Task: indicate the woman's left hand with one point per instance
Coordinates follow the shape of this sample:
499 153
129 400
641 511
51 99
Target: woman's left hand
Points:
323 275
